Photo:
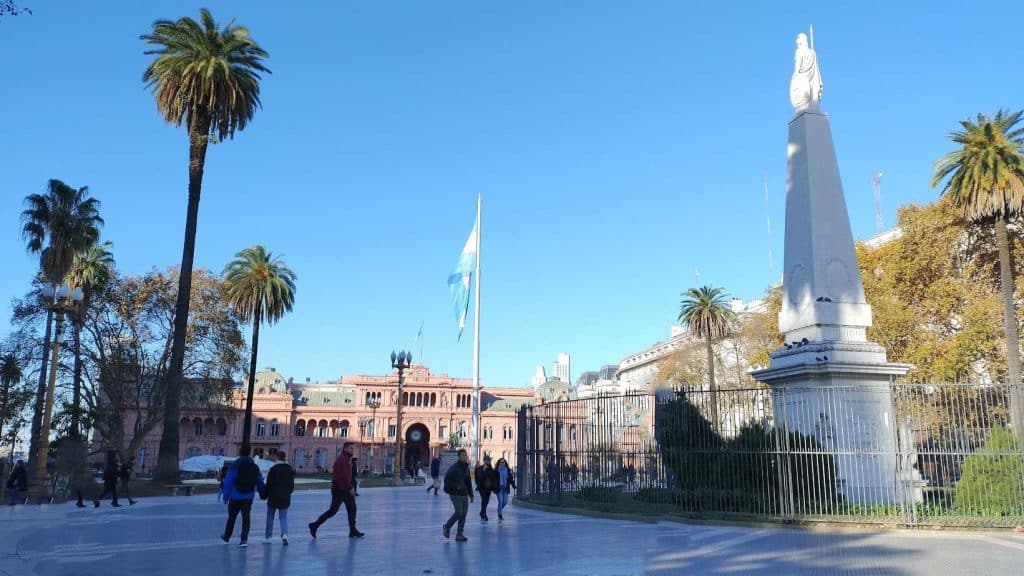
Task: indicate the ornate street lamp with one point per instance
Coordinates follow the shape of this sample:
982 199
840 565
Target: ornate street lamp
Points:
401 362
60 300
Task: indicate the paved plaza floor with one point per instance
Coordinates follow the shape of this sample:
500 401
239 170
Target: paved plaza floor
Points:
179 536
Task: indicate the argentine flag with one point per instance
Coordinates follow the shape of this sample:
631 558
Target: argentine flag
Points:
458 282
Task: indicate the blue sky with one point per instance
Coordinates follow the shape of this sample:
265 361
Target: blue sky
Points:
619 147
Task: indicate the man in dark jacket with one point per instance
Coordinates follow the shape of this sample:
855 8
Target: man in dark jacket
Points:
341 491
458 487
111 473
243 480
486 483
435 475
280 485
18 482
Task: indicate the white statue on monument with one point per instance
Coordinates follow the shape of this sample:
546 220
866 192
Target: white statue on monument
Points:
805 86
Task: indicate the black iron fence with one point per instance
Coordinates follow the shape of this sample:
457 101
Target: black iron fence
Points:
905 453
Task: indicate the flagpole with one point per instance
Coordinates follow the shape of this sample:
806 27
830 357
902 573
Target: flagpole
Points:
476 340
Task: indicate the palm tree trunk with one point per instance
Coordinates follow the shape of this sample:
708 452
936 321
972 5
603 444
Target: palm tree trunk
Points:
711 384
1010 325
247 423
76 417
167 457
37 410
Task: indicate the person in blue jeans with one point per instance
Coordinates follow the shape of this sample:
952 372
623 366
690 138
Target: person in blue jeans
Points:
18 482
240 485
280 485
506 481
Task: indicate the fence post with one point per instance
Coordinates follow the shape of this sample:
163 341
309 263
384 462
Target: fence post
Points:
787 508
522 460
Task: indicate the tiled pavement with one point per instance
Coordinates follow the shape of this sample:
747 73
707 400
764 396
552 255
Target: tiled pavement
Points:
178 536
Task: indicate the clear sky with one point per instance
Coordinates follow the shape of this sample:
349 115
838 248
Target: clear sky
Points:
619 148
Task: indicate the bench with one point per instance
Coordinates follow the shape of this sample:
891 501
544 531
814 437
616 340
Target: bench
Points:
175 488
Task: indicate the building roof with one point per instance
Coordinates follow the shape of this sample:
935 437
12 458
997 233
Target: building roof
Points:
331 398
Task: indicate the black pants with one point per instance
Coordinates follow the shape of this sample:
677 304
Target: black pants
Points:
109 488
485 499
234 507
337 497
124 488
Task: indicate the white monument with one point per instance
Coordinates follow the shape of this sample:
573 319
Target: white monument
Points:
829 381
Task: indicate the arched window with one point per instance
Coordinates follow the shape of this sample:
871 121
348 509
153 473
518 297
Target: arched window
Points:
405 398
367 401
343 429
222 427
197 427
299 459
209 426
261 428
433 398
463 429
572 432
275 428
300 428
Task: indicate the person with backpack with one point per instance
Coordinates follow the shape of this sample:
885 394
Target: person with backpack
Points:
458 487
240 485
280 485
341 491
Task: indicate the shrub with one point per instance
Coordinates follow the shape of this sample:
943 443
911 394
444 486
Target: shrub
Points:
603 494
990 479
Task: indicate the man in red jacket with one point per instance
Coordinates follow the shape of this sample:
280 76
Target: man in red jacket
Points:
341 491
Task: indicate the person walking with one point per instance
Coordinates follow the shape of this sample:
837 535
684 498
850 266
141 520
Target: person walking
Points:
280 485
341 492
126 477
486 484
71 462
458 487
243 479
17 483
111 473
435 475
506 481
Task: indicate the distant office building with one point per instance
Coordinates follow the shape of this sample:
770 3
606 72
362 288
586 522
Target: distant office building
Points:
561 367
608 372
588 378
539 378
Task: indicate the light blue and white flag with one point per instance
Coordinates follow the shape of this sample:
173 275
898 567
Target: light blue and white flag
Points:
459 281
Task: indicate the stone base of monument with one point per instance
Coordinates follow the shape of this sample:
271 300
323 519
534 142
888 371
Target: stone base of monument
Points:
846 406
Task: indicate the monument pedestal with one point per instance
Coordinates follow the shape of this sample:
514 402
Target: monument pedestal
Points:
828 381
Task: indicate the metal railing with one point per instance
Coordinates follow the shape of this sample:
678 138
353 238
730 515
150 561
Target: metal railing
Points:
904 453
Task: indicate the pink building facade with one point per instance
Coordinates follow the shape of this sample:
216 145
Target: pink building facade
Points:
311 421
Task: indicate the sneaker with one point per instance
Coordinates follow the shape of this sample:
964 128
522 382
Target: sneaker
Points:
356 534
447 531
243 543
284 539
223 538
483 517
312 530
460 538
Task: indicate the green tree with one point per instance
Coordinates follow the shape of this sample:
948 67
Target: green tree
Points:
207 78
91 270
260 288
13 399
56 225
984 178
706 314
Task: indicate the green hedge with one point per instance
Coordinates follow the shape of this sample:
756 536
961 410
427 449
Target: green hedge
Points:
992 479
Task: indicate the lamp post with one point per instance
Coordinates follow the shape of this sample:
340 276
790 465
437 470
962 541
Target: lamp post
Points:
362 428
373 404
60 300
401 362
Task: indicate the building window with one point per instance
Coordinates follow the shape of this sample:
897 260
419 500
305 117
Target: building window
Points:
463 429
371 428
433 398
321 431
275 428
391 430
572 432
197 427
343 429
261 428
300 428
222 427
442 432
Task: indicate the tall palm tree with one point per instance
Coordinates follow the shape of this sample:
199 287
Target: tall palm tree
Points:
986 182
705 312
90 271
10 375
207 78
260 288
56 225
